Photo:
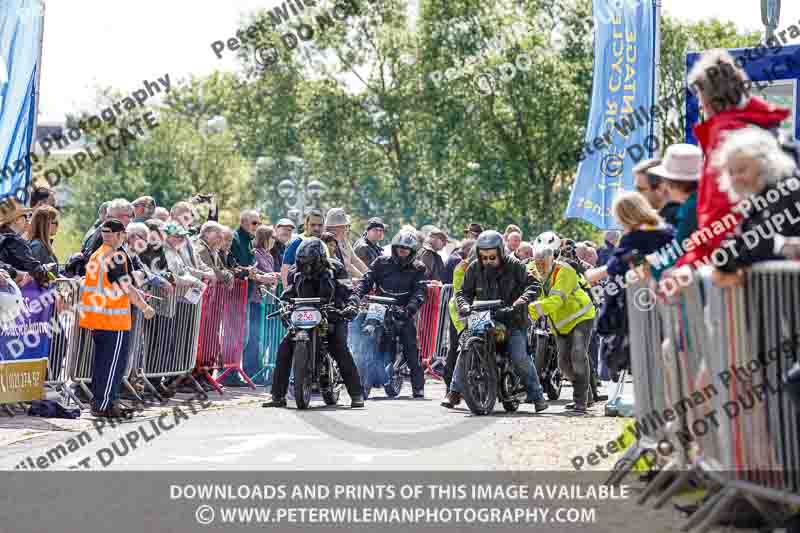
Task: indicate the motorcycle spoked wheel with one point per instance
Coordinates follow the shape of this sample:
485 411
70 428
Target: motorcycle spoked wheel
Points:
302 376
479 378
396 372
554 384
395 384
330 394
507 388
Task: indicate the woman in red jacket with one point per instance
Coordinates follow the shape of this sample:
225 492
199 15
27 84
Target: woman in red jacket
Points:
723 92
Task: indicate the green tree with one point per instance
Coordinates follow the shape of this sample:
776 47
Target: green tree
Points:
171 162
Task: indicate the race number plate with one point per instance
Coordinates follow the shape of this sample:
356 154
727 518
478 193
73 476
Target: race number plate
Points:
306 318
376 312
479 320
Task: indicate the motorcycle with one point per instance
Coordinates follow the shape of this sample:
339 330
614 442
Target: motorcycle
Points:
381 342
543 345
488 373
312 366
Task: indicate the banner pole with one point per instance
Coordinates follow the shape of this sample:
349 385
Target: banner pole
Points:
657 64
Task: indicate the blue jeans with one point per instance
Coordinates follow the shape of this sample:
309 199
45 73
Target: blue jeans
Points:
523 366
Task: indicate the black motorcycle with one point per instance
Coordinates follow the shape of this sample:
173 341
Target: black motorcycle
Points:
542 344
488 373
381 357
313 367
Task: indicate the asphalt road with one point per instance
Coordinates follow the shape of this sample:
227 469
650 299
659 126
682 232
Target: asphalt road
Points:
400 433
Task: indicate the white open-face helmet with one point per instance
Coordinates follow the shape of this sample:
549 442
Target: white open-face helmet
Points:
546 245
11 302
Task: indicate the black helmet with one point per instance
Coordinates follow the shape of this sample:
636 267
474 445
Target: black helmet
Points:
311 257
404 239
491 240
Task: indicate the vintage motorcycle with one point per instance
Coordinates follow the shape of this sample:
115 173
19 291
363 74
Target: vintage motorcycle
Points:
488 373
313 367
542 344
382 362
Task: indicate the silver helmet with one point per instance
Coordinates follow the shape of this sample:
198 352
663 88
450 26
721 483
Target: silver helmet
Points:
491 240
404 239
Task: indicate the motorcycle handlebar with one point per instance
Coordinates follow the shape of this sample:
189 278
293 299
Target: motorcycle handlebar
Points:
486 305
382 300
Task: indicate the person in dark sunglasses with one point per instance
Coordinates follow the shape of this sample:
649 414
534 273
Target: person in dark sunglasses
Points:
497 276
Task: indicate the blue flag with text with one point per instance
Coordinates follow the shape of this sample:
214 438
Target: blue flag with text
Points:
21 24
622 96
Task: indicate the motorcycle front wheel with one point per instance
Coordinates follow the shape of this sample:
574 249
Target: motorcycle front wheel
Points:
479 378
302 375
395 384
330 395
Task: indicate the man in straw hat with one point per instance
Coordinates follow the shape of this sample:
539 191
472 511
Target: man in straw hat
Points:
338 223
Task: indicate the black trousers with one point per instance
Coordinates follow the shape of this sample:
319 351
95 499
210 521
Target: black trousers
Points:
407 333
452 355
110 359
337 344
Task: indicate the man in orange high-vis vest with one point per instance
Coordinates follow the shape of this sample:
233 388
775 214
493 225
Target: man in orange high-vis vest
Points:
106 296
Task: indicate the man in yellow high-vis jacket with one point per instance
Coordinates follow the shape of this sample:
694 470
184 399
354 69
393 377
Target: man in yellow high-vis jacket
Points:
106 296
571 314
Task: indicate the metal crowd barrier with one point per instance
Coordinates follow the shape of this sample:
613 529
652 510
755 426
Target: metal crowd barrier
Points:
439 333
209 342
233 336
651 361
272 332
222 331
707 372
65 321
427 321
778 286
170 340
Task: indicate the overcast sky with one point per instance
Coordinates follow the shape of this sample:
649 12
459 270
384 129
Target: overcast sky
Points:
89 43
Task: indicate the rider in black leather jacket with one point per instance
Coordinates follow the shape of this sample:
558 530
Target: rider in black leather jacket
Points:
316 276
401 276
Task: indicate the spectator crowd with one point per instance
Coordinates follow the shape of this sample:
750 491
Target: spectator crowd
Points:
728 203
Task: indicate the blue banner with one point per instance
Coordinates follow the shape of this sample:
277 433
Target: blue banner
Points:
21 23
620 114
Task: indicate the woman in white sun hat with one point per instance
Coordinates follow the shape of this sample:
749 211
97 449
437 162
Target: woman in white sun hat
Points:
681 169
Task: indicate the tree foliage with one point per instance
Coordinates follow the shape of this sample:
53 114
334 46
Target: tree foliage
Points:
363 106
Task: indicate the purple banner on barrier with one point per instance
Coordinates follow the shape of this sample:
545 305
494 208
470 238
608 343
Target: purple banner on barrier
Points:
27 337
